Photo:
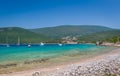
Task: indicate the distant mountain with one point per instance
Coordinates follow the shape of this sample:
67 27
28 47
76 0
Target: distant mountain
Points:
11 34
101 36
69 30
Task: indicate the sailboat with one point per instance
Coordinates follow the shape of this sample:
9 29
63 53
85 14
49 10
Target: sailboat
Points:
60 44
41 44
29 45
7 45
18 43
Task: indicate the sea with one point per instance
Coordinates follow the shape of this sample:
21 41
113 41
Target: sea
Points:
22 53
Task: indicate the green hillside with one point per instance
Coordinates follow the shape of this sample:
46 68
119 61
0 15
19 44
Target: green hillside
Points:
115 39
11 34
69 30
101 36
85 33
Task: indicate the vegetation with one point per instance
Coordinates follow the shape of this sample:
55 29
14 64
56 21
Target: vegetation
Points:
69 30
110 75
115 39
54 34
11 34
109 36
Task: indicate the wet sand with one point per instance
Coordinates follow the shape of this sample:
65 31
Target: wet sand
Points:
78 67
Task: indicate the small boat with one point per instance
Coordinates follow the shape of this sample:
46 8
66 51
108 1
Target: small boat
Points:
41 44
60 44
7 45
29 45
18 43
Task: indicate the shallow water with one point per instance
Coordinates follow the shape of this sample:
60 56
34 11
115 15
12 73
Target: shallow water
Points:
19 58
23 53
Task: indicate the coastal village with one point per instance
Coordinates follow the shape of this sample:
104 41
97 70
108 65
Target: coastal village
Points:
74 40
69 40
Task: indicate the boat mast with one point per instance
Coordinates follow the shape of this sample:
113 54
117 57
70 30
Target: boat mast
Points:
18 41
6 40
7 45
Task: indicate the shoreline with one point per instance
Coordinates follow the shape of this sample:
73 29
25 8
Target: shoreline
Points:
63 67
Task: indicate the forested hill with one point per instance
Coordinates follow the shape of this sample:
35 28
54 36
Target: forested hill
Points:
110 35
11 34
70 30
87 33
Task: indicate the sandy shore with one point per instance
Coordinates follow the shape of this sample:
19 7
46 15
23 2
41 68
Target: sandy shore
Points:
96 66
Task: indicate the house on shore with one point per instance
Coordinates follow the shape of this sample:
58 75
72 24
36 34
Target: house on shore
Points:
69 40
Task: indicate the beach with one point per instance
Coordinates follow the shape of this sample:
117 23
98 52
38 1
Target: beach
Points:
108 63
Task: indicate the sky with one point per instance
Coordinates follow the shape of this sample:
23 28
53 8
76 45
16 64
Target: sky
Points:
48 13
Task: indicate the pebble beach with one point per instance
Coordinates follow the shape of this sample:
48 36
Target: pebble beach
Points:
103 65
108 65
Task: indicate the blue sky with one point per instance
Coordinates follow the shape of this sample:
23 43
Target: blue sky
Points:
47 13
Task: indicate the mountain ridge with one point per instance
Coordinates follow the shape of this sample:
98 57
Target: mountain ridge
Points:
72 30
88 33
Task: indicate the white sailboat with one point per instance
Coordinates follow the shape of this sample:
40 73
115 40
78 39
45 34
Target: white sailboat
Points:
29 45
41 44
60 44
7 45
18 43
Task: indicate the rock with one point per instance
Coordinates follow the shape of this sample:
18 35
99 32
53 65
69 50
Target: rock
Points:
8 65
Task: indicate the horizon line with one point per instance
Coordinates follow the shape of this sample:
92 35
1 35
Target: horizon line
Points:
58 26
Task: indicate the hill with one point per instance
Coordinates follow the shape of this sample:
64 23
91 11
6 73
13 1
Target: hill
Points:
87 33
69 30
11 34
101 36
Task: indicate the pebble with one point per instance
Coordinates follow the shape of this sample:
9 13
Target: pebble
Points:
108 65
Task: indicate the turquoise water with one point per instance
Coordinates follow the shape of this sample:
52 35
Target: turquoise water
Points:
23 53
